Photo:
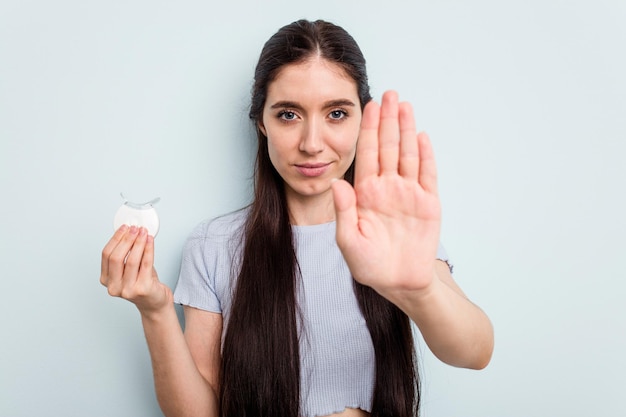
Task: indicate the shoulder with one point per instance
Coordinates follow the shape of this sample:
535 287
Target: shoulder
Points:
209 254
219 228
216 237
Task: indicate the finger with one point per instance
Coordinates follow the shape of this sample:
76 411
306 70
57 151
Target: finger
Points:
366 162
108 250
344 199
134 259
146 269
409 153
427 166
117 260
389 134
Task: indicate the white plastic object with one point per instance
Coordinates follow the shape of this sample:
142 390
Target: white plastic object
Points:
138 214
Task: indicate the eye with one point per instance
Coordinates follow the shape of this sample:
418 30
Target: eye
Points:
287 115
338 114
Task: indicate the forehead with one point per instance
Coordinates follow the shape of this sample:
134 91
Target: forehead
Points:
314 79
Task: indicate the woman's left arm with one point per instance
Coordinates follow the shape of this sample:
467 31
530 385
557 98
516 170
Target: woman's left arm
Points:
388 231
457 331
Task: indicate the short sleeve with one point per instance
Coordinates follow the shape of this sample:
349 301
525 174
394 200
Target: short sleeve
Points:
442 255
196 280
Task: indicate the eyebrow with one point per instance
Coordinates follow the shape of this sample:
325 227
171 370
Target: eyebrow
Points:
342 102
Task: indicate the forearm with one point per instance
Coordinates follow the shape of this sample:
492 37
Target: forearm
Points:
180 388
457 331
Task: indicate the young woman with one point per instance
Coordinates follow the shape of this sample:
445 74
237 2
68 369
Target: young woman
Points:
300 304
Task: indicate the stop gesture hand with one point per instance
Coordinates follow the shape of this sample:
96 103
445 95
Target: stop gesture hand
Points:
388 224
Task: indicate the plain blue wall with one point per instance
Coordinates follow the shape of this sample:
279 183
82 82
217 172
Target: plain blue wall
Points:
525 103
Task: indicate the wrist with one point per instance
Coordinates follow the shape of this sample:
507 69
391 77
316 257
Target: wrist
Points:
414 295
155 315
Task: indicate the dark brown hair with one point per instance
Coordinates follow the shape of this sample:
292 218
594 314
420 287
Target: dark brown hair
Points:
260 373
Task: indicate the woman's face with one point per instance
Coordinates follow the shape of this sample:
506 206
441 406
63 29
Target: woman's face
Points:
311 118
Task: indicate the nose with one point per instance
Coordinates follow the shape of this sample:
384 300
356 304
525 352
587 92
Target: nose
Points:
312 140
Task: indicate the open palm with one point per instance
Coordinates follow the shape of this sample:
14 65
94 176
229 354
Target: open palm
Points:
388 224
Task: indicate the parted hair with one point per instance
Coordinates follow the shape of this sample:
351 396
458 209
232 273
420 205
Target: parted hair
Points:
260 368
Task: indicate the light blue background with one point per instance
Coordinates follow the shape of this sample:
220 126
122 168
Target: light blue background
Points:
526 106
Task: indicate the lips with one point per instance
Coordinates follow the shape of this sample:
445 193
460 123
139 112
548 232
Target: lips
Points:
312 169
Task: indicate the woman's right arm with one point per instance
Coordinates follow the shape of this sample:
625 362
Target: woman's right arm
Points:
183 388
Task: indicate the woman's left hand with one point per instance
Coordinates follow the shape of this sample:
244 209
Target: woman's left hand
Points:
388 224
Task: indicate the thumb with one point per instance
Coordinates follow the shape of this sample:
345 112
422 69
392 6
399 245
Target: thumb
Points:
344 199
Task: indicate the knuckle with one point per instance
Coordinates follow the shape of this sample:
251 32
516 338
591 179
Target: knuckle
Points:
141 293
127 294
142 288
117 258
113 291
146 264
132 294
131 263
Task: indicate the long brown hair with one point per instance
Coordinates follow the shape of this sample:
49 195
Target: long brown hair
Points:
260 373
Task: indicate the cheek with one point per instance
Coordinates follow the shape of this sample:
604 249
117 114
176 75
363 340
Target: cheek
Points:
274 153
353 151
348 145
350 155
355 130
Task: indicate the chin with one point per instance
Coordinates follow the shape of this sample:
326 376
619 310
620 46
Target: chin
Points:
311 191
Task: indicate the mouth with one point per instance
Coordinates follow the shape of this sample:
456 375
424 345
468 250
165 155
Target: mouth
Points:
312 169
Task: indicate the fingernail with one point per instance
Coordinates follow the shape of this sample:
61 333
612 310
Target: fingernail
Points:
143 231
133 230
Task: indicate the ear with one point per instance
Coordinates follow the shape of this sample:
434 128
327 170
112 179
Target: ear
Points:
262 128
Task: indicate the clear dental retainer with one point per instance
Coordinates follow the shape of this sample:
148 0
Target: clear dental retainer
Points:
138 214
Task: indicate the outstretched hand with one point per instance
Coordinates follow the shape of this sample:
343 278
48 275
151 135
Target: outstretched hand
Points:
388 224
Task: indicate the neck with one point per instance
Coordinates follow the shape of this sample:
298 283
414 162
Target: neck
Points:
307 211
